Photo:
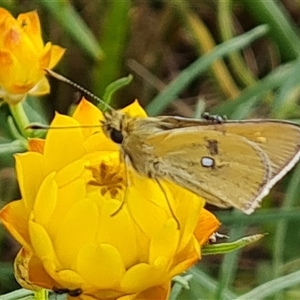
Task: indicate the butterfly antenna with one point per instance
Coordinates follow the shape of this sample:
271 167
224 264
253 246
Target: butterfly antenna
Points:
37 126
78 87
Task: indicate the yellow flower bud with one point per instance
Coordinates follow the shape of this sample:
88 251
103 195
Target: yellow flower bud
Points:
23 57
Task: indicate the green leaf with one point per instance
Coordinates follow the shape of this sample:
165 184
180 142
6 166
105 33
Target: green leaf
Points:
21 294
113 88
183 280
223 248
180 282
13 147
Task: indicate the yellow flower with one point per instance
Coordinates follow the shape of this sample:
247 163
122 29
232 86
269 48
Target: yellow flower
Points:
23 56
75 240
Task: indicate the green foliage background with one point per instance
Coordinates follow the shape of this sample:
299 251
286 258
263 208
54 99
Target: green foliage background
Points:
234 58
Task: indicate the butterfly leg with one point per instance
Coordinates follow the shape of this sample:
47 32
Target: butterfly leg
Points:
127 185
168 202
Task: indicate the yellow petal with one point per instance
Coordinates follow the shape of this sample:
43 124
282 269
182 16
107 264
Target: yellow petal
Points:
8 63
56 54
28 166
88 114
100 265
50 56
36 145
146 209
6 60
99 142
42 243
206 226
164 242
30 24
30 272
45 56
134 110
79 227
63 146
158 293
187 202
23 57
70 172
42 87
46 200
69 279
119 231
14 217
84 297
68 196
186 258
4 14
141 277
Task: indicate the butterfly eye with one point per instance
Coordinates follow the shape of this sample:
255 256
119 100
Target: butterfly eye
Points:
116 136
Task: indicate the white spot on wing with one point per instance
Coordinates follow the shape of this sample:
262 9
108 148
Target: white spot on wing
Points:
207 162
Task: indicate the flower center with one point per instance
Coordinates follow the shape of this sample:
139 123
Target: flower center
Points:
109 179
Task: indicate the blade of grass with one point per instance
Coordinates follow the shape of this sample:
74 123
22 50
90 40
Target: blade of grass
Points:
208 283
286 100
72 23
272 287
240 108
226 29
292 196
162 100
282 28
204 43
261 216
113 42
230 264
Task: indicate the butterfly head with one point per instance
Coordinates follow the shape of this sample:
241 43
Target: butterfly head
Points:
114 126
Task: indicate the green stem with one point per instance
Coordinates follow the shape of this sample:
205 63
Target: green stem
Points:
20 117
41 295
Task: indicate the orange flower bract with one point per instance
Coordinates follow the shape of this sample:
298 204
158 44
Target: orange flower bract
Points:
75 237
23 57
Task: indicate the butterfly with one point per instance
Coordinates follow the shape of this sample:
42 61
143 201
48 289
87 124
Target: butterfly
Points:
228 163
